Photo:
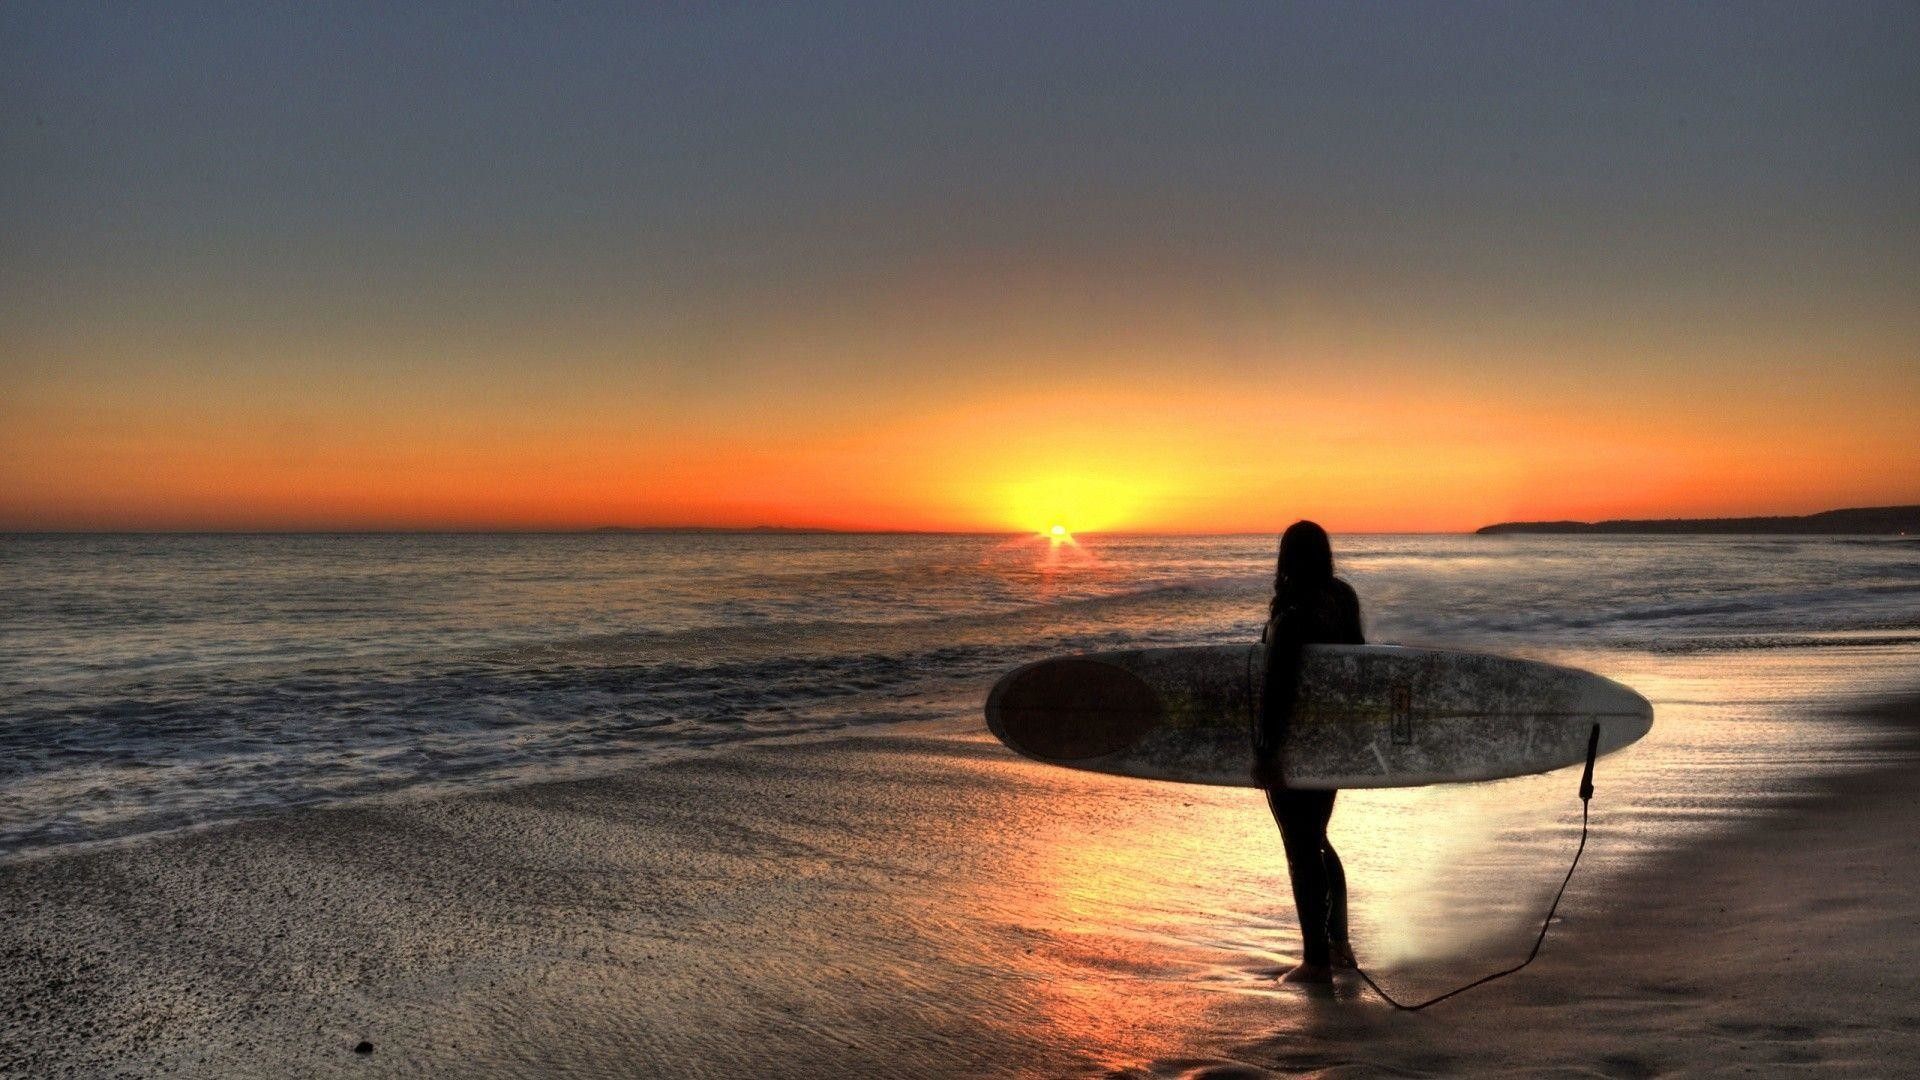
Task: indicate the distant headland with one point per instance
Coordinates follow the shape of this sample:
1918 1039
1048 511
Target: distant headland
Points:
1860 521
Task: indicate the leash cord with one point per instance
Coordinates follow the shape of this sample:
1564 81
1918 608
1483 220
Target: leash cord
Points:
1586 795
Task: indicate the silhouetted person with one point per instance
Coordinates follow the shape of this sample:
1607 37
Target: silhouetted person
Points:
1310 606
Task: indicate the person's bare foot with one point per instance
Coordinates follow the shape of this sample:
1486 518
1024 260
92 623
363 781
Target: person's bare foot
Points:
1342 957
1309 975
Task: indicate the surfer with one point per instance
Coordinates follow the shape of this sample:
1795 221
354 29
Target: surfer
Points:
1310 606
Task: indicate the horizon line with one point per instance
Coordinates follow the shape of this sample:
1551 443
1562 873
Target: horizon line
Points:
699 530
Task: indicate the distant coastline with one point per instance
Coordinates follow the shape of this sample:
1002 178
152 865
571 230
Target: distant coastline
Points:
1859 521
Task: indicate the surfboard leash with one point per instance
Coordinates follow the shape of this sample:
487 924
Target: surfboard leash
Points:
1586 796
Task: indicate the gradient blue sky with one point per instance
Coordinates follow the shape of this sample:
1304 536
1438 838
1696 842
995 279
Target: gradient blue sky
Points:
1169 266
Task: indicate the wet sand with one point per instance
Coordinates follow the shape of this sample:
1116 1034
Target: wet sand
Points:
1788 950
918 903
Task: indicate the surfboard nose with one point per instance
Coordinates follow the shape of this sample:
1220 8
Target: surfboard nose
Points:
1623 715
1071 709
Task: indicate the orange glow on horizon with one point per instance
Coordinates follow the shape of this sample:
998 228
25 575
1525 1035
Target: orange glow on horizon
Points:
1134 457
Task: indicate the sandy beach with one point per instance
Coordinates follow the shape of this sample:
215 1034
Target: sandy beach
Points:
919 903
520 525
1789 949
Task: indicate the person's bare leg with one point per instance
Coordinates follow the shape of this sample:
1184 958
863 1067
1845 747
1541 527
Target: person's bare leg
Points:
1302 817
1339 948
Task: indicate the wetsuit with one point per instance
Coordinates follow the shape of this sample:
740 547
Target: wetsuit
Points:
1327 614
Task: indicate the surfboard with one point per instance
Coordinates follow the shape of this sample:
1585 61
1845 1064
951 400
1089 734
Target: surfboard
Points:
1365 716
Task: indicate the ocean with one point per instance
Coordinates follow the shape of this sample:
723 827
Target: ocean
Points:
151 682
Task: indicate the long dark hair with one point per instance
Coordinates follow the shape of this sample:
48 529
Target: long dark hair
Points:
1306 563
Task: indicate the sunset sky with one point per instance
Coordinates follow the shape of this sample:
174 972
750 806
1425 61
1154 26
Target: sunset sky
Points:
1115 266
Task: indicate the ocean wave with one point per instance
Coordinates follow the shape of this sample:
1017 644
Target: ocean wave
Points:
163 682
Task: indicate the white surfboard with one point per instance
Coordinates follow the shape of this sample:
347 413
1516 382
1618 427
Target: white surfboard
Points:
1366 716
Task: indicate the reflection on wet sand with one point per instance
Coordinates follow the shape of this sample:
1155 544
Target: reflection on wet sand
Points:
881 905
1146 901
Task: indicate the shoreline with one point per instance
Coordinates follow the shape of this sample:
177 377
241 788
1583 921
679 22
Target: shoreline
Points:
904 901
586 771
